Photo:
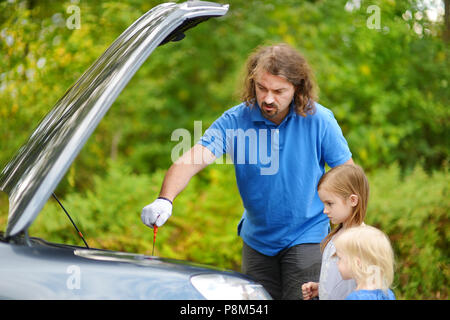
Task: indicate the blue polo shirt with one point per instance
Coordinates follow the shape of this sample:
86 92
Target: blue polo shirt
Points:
277 170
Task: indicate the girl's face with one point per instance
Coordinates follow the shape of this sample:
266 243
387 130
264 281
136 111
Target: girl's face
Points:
336 208
343 266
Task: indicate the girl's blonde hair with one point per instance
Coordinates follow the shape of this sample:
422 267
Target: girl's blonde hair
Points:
345 180
369 254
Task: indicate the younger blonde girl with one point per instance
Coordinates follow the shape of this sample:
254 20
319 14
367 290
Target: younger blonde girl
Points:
344 191
365 254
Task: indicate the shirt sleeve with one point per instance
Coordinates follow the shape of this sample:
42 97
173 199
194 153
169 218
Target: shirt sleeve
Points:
354 296
335 148
215 138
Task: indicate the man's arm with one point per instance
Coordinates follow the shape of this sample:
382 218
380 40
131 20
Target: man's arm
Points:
182 170
176 179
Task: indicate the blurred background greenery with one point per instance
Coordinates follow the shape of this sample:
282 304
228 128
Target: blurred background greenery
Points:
386 80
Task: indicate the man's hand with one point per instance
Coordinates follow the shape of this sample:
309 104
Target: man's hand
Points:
310 290
156 213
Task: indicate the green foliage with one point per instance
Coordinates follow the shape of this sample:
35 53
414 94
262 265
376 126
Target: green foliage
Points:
391 101
414 212
387 87
108 215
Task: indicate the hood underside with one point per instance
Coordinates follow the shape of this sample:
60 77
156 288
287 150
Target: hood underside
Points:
32 175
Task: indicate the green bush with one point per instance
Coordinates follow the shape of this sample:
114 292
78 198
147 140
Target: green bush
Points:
108 215
414 212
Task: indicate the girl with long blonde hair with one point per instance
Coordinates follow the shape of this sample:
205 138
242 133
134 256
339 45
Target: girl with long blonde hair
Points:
344 191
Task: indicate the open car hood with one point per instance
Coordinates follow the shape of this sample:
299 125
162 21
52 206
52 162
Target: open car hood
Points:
32 175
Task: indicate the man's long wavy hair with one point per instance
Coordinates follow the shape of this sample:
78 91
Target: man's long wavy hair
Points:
282 60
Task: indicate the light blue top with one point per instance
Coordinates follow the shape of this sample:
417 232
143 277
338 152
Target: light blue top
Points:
371 295
331 284
277 170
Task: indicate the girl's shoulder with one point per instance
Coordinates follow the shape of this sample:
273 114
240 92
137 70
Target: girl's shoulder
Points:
377 294
329 250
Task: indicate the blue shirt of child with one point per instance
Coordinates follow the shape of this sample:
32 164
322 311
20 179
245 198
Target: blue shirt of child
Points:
277 169
371 295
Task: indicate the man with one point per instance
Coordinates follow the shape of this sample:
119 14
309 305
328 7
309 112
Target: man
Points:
279 139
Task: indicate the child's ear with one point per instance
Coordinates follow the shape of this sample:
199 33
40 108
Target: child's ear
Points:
354 200
358 262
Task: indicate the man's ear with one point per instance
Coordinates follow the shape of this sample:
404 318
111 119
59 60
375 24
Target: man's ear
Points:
354 200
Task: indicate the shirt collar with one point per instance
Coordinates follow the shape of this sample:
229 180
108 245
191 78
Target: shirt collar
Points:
257 116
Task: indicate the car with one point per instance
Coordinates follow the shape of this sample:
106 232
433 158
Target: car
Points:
33 268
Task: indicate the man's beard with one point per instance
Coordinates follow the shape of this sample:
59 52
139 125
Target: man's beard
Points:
269 113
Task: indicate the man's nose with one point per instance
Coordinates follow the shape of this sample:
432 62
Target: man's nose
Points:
269 98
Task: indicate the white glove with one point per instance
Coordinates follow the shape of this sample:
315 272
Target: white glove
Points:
156 212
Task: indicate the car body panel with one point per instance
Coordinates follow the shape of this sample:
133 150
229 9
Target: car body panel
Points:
34 269
77 273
